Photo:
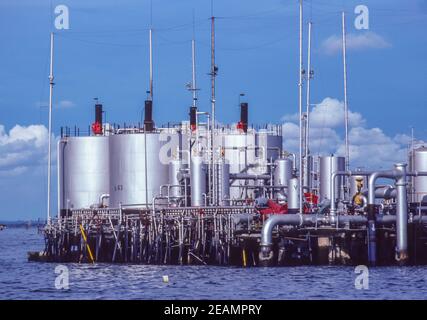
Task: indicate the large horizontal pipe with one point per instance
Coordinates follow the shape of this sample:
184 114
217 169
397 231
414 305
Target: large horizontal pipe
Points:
246 176
313 219
386 192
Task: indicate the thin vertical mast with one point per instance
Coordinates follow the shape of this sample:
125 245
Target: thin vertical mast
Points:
344 54
307 122
151 63
193 81
151 51
193 60
49 157
300 109
213 75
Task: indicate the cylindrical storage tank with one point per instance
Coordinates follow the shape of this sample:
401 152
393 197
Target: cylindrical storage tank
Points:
419 163
198 177
269 146
175 167
293 195
282 171
329 165
239 151
223 174
83 171
139 165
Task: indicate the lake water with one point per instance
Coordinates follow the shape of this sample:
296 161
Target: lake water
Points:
20 279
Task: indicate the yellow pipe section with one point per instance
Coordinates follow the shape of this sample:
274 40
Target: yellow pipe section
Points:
87 245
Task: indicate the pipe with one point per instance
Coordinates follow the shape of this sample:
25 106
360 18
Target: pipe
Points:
300 220
401 214
102 197
245 176
386 192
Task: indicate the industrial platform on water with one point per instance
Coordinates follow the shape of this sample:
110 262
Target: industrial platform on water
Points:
203 193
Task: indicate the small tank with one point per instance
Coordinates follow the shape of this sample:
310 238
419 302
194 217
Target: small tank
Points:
329 165
198 175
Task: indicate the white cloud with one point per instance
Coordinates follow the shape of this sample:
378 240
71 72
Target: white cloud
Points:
329 113
22 147
355 41
63 104
370 148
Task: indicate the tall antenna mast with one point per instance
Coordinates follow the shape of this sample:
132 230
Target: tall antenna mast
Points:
344 54
213 76
193 81
49 157
193 60
307 122
151 51
300 109
151 65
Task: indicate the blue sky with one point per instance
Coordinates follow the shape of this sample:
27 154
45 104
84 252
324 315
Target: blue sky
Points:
105 55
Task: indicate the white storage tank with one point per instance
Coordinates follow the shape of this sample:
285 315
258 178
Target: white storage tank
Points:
83 171
139 165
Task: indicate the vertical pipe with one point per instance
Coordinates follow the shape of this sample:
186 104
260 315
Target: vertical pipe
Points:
344 54
49 158
401 215
300 107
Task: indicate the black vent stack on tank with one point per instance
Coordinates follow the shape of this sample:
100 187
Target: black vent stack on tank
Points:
148 116
97 125
193 118
98 113
244 116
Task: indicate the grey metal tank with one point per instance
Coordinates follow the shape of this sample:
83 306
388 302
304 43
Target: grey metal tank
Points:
283 168
139 165
418 162
240 152
83 171
198 176
293 195
327 166
271 142
223 182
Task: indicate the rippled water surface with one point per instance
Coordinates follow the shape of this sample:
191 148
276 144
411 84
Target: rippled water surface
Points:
20 279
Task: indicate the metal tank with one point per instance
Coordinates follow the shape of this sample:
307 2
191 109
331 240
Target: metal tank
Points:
175 168
293 195
198 176
270 144
283 169
328 165
418 162
83 171
223 182
139 165
240 152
